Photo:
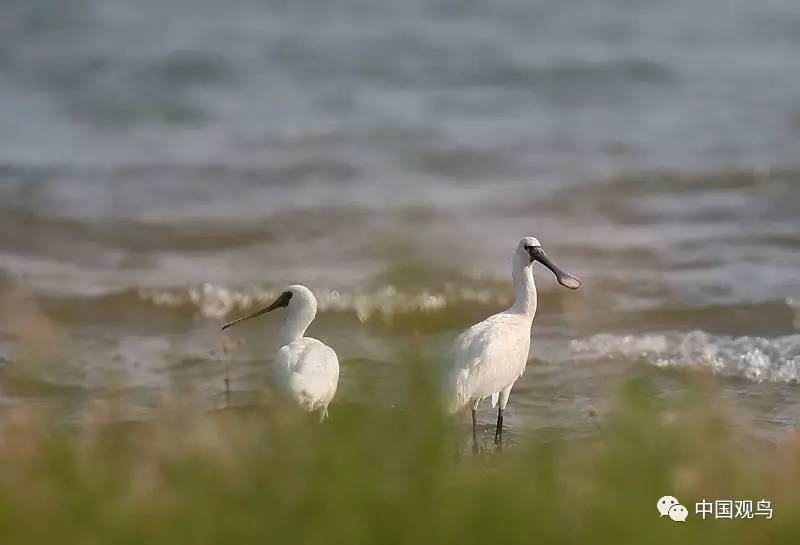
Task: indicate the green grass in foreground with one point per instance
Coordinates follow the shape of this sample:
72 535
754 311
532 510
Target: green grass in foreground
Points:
380 476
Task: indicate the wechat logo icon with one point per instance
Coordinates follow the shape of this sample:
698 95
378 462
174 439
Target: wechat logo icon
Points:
669 506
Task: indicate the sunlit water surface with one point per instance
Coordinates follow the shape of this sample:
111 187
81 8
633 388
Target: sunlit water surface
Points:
169 165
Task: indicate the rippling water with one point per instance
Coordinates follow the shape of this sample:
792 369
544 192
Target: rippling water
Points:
167 165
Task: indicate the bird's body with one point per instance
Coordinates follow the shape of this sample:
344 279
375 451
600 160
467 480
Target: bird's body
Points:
488 358
503 338
306 369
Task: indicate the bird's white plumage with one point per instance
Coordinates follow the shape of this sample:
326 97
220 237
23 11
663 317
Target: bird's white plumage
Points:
488 358
306 369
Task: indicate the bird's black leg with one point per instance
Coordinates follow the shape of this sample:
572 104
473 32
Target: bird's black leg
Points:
498 432
474 431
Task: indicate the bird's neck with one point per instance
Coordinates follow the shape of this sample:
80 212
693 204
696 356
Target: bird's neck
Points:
525 298
297 322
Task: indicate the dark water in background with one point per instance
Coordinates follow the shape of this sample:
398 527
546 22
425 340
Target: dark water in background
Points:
165 163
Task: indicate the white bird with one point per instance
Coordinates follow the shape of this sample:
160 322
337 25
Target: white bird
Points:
488 358
307 370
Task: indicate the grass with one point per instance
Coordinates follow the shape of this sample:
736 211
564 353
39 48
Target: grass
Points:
376 474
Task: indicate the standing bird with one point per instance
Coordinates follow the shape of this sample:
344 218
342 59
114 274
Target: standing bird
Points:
307 370
488 358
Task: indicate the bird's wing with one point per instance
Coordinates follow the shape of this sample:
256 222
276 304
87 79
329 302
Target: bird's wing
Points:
309 371
470 374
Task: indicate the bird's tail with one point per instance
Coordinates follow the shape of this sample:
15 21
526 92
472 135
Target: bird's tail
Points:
454 395
323 414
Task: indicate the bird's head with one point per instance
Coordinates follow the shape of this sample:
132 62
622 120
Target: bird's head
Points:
294 297
530 250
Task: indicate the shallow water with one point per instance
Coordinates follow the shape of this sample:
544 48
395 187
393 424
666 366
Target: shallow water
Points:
166 166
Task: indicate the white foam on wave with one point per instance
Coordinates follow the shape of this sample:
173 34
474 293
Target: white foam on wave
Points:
218 302
758 359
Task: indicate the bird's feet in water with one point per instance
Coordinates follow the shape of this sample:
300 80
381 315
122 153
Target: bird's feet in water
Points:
485 442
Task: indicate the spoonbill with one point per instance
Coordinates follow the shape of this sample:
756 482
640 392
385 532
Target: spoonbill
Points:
307 370
488 358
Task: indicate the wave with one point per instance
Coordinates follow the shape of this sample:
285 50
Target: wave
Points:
759 359
216 302
438 298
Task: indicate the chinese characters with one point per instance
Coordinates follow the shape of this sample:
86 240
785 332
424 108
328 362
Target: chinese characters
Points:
733 509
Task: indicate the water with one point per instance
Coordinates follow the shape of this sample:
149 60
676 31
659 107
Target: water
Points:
167 165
